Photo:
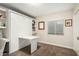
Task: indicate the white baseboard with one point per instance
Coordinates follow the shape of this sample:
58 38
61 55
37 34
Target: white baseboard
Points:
56 44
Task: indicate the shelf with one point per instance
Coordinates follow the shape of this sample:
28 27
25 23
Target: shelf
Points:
1 27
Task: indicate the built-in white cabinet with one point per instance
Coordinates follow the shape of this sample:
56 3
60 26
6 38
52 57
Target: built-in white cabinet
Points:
19 25
12 26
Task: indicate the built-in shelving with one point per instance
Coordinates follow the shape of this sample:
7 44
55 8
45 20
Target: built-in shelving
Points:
2 19
3 22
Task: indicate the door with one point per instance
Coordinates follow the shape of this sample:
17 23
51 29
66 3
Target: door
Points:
76 32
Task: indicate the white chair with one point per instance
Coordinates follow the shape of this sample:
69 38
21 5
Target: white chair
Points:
2 46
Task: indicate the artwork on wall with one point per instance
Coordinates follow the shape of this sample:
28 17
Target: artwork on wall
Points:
33 25
41 25
68 22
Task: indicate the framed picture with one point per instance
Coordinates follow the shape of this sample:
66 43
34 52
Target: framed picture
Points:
33 25
41 25
68 22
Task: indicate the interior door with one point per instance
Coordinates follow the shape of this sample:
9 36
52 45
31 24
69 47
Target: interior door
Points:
76 32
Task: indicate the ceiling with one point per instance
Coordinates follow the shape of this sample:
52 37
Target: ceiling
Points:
40 9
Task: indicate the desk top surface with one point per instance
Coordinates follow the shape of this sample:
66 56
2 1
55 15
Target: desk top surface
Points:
29 37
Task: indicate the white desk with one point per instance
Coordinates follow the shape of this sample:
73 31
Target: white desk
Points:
33 42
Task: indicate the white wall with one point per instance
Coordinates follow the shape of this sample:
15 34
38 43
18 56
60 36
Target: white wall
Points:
65 40
19 25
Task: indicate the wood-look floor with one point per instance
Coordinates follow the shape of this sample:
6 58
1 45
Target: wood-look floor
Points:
45 50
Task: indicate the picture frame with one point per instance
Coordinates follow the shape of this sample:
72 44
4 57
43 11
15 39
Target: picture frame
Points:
68 23
33 25
41 25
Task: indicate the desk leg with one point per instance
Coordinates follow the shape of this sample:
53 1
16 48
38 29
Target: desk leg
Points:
33 45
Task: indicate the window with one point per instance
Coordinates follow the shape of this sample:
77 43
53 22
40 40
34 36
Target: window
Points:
55 27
